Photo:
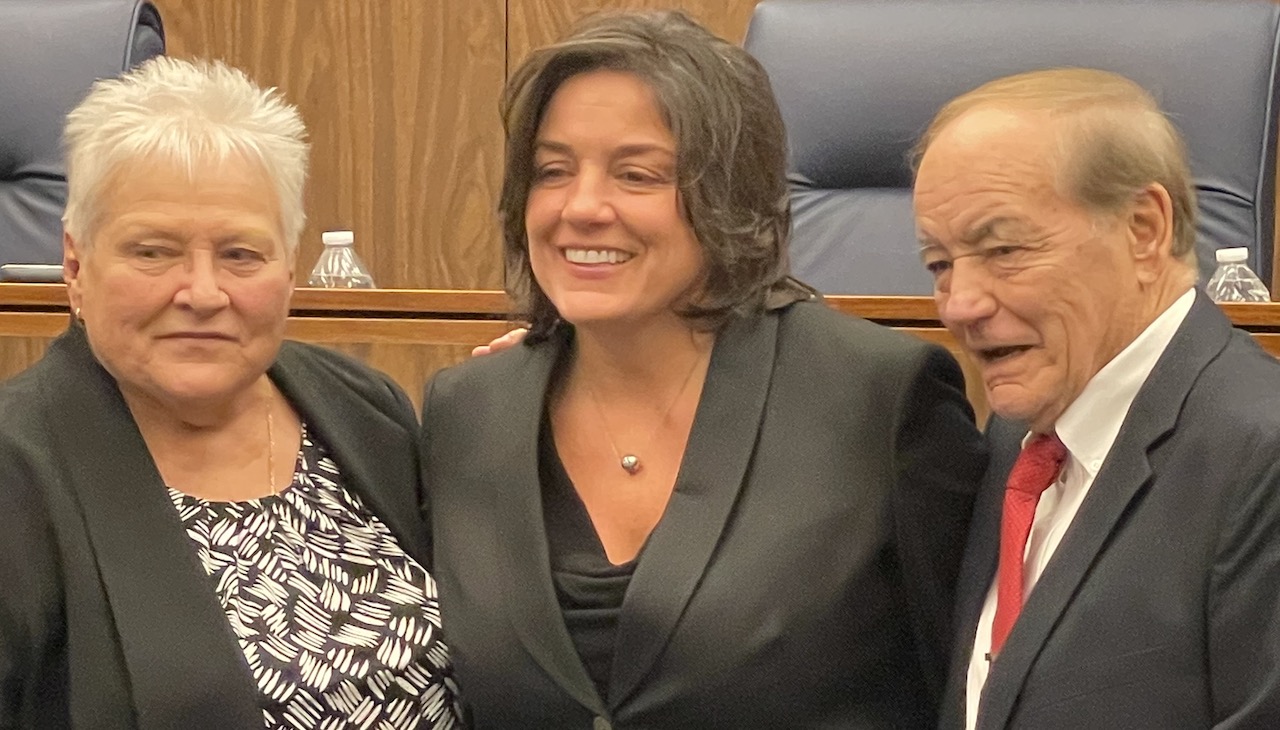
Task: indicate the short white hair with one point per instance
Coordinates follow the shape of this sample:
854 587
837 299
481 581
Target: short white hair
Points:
189 113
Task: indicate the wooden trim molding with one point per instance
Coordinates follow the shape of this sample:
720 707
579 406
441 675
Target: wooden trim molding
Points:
480 306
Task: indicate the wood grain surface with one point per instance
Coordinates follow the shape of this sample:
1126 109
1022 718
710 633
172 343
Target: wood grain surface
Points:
401 100
532 23
409 350
18 352
413 333
400 97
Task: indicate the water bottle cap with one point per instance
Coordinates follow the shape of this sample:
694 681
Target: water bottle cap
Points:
1232 255
341 238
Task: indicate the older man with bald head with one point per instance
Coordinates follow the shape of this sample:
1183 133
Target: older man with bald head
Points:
1123 569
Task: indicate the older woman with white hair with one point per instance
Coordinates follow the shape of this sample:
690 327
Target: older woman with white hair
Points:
202 525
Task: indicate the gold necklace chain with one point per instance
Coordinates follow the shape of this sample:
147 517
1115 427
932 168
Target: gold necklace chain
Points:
630 461
271 448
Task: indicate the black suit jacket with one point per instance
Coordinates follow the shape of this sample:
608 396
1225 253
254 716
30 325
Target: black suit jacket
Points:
1161 606
801 576
107 619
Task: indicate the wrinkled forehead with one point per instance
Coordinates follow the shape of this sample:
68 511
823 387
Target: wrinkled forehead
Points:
165 195
987 141
984 166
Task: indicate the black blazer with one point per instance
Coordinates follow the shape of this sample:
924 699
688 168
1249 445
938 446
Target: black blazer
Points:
1161 606
801 576
107 619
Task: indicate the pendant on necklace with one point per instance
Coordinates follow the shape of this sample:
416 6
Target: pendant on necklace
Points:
631 464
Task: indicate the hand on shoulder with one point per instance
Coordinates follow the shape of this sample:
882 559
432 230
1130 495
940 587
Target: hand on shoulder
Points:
507 341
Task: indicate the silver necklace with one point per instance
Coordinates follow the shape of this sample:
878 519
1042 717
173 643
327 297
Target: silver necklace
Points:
630 461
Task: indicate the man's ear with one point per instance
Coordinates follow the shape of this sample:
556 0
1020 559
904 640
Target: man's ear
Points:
1150 227
71 262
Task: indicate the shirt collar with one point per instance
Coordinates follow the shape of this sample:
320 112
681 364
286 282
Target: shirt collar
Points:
1091 423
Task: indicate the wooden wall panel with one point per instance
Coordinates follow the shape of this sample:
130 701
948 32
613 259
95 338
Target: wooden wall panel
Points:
19 353
400 97
1274 281
532 23
25 335
408 350
411 366
411 334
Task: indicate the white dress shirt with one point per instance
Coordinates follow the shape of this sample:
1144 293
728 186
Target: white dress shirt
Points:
1087 428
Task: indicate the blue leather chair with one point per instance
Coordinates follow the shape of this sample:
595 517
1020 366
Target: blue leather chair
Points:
859 80
51 52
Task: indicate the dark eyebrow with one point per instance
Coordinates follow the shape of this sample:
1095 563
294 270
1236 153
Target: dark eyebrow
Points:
644 148
629 150
558 147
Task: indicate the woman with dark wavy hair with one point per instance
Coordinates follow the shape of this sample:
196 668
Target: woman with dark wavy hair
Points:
695 496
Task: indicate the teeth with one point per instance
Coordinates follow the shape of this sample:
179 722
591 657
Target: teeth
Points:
595 256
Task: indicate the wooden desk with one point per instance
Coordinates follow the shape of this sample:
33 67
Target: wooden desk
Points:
411 333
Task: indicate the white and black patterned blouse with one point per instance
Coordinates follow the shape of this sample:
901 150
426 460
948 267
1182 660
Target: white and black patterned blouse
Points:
340 627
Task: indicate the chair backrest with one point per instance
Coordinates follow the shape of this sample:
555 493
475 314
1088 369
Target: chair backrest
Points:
859 80
51 52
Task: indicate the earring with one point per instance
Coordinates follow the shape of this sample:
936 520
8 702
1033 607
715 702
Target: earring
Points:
78 313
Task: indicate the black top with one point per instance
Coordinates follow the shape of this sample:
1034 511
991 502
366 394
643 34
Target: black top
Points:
590 589
116 625
801 575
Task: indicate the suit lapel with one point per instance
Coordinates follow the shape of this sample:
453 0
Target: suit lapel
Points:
184 666
720 446
512 475
376 458
1125 471
982 553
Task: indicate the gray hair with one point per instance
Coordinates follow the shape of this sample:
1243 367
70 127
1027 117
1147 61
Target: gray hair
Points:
188 113
1113 143
731 153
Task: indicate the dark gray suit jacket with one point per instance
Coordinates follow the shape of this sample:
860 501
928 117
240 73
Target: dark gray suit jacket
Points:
107 619
1161 606
801 576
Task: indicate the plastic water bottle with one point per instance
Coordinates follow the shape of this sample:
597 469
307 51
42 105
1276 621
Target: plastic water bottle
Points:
339 266
1233 281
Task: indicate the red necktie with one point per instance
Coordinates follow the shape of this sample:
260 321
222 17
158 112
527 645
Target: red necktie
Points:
1037 467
